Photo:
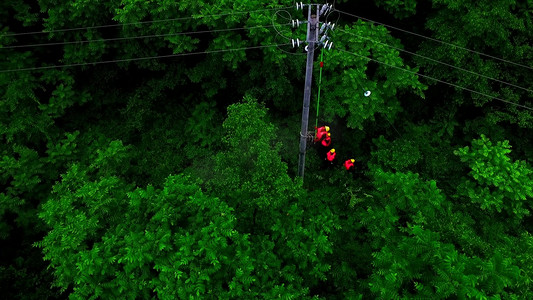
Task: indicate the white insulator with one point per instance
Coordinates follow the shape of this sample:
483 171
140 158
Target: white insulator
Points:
299 5
322 39
323 9
322 28
330 45
296 23
295 43
367 93
332 26
326 44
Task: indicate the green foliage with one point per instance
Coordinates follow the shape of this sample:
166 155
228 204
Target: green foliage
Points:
345 97
397 154
109 240
251 167
399 8
499 29
88 154
499 183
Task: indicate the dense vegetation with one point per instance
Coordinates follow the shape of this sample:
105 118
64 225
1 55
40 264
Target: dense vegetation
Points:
175 178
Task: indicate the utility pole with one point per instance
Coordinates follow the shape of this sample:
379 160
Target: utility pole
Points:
312 37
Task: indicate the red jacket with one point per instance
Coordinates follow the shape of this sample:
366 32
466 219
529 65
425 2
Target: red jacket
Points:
321 129
331 156
326 142
320 133
348 164
320 136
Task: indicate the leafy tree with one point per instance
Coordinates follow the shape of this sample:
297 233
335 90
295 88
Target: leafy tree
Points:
108 239
399 8
472 25
345 97
499 183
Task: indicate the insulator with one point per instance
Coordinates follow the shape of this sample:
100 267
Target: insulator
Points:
326 44
332 26
296 23
323 10
330 45
322 28
295 42
367 93
299 5
322 39
329 6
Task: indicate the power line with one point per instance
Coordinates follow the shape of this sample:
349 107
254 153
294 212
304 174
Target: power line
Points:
139 58
441 81
141 22
439 62
436 40
136 37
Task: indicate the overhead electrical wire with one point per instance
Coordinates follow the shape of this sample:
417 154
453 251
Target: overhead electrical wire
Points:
136 37
438 80
140 22
437 61
140 58
436 40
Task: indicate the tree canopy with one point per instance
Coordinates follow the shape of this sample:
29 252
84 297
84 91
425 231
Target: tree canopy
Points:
150 148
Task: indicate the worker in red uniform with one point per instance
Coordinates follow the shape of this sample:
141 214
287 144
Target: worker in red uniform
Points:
330 156
321 133
349 164
327 141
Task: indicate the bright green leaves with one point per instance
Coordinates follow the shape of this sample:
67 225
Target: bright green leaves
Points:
112 159
409 194
251 168
109 240
420 261
498 183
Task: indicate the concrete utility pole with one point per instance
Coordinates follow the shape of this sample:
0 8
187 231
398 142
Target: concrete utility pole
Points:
312 37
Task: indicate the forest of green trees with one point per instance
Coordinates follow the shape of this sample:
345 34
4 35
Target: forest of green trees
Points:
142 157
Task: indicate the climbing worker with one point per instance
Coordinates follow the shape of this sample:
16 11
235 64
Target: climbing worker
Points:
349 164
321 133
330 156
327 141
